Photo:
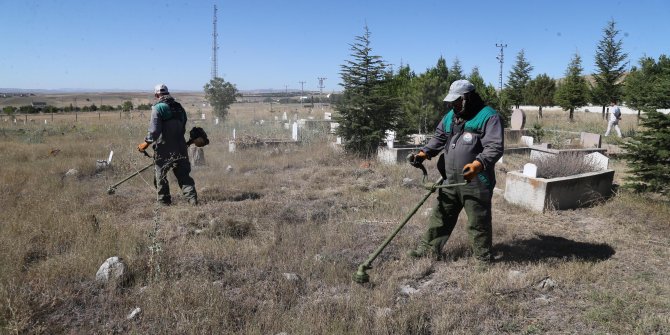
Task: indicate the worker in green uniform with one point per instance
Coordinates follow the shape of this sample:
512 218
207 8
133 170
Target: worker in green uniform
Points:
166 133
471 138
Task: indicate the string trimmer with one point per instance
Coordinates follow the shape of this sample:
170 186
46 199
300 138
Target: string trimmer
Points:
361 275
112 189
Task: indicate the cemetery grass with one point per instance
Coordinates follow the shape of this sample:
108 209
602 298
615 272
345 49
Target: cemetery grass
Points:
275 241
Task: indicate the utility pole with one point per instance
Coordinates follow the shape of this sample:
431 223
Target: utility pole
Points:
500 59
321 79
215 47
302 91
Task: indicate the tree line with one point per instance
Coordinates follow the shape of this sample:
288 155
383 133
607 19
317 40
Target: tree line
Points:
377 98
30 109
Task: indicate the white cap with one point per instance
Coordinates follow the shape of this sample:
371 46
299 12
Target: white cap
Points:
458 89
161 89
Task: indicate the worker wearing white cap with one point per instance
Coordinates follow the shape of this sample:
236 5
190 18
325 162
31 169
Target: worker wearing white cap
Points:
470 137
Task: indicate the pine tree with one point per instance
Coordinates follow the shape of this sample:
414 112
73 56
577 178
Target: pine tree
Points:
368 107
455 73
540 91
518 79
610 61
572 91
487 92
648 154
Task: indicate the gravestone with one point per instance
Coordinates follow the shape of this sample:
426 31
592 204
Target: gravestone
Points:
390 138
598 160
327 116
284 117
530 170
590 140
527 140
202 117
294 131
197 156
216 121
518 119
287 125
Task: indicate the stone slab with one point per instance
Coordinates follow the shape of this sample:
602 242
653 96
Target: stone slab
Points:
590 140
597 159
518 120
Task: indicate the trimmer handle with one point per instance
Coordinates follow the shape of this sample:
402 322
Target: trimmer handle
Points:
411 159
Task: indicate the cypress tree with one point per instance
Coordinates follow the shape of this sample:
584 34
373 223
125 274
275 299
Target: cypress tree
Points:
540 91
572 91
610 61
519 77
648 154
368 107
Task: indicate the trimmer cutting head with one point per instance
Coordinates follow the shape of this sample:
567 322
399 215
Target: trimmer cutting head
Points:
361 276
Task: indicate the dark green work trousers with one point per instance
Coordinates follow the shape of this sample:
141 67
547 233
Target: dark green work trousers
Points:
475 198
181 169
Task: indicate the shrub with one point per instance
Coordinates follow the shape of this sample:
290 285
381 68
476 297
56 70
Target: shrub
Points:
563 165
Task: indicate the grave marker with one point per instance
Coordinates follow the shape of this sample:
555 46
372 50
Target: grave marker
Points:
530 170
518 119
527 140
598 160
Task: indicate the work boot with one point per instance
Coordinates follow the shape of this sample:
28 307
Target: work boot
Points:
424 250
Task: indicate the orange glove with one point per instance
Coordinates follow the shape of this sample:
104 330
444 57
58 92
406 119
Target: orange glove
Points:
472 169
142 146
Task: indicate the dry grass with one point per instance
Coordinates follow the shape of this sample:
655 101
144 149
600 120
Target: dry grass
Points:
225 266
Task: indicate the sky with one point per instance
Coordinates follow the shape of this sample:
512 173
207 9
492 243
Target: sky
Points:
273 44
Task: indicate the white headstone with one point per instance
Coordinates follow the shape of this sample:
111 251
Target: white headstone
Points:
231 146
202 116
598 160
333 127
45 121
234 134
530 170
390 138
338 140
294 132
327 116
287 125
527 140
216 121
284 117
276 118
111 154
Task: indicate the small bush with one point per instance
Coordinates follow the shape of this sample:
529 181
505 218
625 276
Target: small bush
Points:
555 166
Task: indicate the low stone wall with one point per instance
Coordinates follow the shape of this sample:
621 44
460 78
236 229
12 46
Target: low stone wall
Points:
540 194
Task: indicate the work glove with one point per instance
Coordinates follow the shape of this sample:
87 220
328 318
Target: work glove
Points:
472 169
416 160
142 146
